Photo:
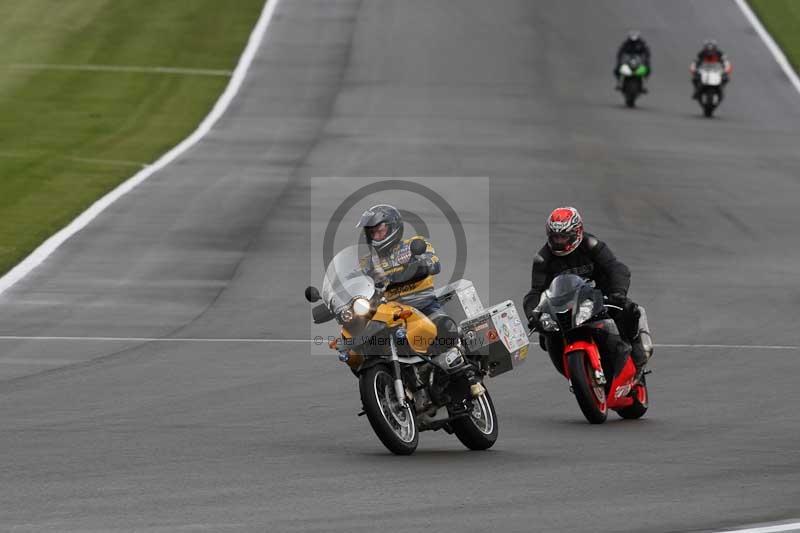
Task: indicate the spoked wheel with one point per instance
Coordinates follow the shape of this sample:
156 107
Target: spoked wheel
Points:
590 394
392 422
640 402
478 430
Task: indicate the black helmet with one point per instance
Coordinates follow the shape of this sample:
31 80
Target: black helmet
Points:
634 35
710 46
371 221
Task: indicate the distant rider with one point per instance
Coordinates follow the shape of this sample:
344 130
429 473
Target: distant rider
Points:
633 45
709 54
571 251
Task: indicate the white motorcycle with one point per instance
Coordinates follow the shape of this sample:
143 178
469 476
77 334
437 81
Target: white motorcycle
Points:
712 79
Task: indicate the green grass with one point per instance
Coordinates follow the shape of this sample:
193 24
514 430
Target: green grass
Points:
782 20
52 121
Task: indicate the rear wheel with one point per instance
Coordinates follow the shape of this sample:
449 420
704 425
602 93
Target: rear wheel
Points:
478 430
590 394
640 402
393 422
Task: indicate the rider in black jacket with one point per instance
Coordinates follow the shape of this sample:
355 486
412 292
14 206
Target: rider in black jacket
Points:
633 45
571 251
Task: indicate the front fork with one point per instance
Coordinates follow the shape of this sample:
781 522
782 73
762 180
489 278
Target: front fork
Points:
399 389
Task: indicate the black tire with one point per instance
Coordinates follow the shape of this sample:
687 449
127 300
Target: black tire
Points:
631 91
638 409
377 396
584 391
707 102
474 433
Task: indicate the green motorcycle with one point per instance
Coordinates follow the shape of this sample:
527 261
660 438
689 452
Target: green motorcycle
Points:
632 72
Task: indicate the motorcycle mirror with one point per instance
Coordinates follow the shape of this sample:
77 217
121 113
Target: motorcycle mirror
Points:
321 314
312 294
418 247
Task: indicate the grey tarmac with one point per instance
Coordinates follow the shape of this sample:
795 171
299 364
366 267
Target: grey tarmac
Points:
127 434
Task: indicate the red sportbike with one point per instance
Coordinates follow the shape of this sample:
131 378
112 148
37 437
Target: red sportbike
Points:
577 322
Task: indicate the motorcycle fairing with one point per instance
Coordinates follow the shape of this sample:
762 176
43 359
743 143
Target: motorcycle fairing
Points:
621 386
586 346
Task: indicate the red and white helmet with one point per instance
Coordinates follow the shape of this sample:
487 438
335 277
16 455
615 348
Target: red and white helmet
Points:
564 230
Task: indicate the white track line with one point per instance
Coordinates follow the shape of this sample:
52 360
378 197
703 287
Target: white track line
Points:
731 346
317 341
794 526
152 339
776 51
120 68
235 83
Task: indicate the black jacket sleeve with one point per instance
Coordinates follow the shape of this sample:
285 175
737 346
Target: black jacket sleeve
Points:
616 273
646 55
539 282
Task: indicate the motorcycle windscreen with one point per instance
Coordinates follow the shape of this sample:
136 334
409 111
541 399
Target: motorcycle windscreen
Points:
562 290
711 74
345 279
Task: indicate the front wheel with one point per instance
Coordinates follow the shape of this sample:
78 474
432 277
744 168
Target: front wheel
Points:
631 89
478 430
708 103
591 395
392 422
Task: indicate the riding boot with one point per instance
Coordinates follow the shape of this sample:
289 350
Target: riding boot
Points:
638 355
696 93
642 343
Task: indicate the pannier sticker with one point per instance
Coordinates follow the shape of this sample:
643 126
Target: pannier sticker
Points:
514 336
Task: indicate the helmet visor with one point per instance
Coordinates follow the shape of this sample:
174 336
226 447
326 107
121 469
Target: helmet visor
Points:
561 241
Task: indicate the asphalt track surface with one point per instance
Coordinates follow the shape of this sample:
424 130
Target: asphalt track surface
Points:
159 436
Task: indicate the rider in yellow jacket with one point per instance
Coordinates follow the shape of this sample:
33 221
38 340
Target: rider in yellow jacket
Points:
408 279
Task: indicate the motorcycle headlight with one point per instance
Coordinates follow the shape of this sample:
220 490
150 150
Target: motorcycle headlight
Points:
361 306
346 314
584 312
547 322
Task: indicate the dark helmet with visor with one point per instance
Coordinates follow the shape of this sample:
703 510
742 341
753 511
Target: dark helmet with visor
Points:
383 227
